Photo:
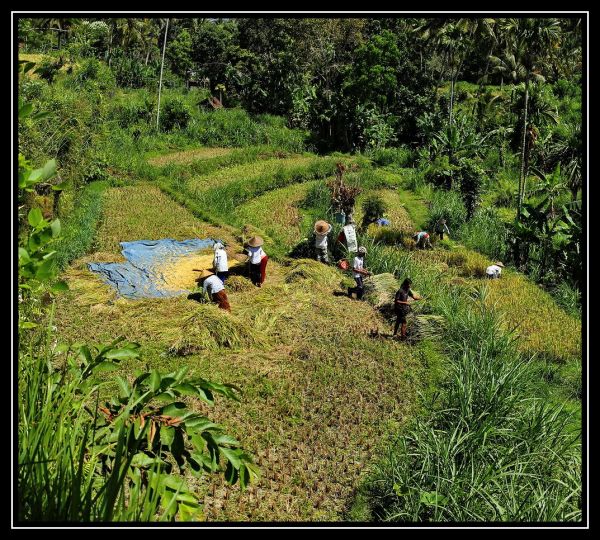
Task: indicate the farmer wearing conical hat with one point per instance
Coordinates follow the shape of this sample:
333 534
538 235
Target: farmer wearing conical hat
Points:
220 263
257 260
214 287
402 306
322 229
359 272
494 270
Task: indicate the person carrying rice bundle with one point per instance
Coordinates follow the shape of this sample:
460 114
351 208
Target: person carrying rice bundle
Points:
322 229
220 263
359 272
214 287
402 306
257 260
347 237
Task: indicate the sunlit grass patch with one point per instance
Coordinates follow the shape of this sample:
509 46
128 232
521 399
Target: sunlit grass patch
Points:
276 212
545 328
143 212
188 156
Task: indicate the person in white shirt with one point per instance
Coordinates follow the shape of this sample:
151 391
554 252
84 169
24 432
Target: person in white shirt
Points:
494 270
214 287
220 262
257 260
347 237
359 272
322 229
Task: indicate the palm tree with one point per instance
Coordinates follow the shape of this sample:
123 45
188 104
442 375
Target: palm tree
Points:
528 41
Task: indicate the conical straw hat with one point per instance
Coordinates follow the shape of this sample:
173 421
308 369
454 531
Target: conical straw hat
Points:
256 241
205 274
322 227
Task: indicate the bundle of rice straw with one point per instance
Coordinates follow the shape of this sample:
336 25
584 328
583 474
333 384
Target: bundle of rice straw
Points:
309 269
380 290
425 327
238 284
212 328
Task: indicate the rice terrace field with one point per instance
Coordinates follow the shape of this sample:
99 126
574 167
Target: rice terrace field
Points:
299 405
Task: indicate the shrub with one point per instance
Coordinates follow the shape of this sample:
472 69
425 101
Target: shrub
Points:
133 73
399 157
174 115
373 208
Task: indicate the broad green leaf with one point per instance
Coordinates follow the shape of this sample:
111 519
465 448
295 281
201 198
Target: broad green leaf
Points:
175 409
167 435
165 396
186 389
49 169
35 176
25 110
23 256
26 325
143 460
34 217
124 388
225 439
105 366
121 354
55 227
154 380
232 456
61 186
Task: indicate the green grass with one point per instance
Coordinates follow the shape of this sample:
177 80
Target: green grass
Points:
79 228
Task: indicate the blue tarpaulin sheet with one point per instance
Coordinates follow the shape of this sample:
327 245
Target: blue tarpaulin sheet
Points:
140 276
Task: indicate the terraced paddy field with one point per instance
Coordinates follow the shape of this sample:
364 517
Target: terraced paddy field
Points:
324 387
319 394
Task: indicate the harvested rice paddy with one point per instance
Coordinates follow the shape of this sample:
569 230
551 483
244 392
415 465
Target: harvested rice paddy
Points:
319 393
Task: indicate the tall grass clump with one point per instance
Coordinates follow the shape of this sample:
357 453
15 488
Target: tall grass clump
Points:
80 226
398 157
486 233
488 450
447 205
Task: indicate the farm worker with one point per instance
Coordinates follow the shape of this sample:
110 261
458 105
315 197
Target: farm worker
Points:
220 264
359 272
347 237
215 288
422 238
441 228
494 270
257 260
322 229
402 306
382 221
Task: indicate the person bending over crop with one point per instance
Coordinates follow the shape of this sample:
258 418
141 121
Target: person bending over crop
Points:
422 239
257 260
494 271
359 273
220 263
322 229
402 306
214 287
